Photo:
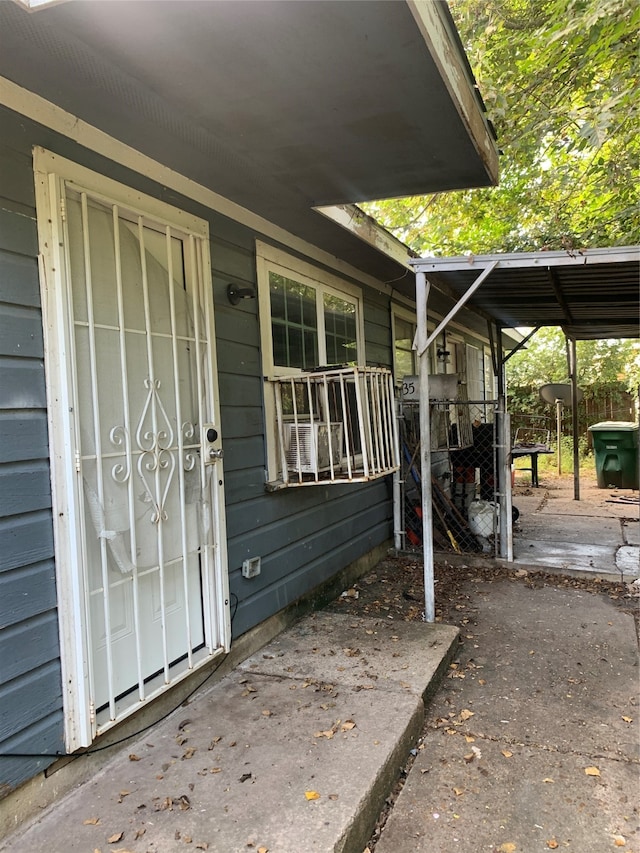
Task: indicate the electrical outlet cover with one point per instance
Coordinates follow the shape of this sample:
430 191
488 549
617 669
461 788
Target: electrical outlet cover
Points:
251 567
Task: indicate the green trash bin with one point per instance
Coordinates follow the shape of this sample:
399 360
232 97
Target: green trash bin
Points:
616 448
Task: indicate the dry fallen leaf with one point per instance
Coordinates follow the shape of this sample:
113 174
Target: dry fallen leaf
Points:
312 795
329 733
547 780
628 719
347 726
263 850
458 792
507 847
466 714
507 753
189 752
133 757
469 739
117 836
619 841
91 821
552 844
592 771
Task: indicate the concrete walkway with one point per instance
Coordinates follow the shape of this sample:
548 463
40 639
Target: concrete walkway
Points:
599 534
294 751
533 743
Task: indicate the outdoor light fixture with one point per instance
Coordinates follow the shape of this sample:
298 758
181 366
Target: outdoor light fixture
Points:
235 293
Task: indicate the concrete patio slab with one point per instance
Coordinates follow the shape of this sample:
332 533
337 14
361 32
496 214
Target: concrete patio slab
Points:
571 556
631 531
293 751
357 652
578 529
628 561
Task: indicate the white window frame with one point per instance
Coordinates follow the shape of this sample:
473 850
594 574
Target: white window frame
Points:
50 174
398 312
272 259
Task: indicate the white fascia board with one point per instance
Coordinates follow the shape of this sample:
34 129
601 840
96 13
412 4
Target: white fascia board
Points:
455 75
356 221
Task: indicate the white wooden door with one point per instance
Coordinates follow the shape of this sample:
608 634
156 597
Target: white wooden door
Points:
144 442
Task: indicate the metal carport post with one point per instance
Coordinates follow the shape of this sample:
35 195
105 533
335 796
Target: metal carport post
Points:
422 344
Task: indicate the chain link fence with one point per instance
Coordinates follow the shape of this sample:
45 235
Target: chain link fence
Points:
463 476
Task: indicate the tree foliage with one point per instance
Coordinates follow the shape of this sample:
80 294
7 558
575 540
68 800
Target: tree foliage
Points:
560 82
601 364
608 375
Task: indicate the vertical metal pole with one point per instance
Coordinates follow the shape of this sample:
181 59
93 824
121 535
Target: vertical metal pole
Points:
573 372
559 434
422 298
503 456
398 531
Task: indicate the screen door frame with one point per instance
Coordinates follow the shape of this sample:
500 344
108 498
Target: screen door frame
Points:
51 172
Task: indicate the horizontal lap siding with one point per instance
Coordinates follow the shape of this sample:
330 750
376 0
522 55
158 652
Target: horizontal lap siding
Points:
30 680
304 536
377 330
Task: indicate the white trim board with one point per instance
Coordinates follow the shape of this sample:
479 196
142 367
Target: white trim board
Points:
36 108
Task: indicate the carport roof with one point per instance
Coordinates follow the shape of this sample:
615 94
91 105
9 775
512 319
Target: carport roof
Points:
591 293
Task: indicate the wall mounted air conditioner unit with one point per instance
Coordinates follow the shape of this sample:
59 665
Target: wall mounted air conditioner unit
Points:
307 448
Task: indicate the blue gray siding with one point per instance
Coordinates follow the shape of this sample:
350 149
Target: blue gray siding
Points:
30 683
304 536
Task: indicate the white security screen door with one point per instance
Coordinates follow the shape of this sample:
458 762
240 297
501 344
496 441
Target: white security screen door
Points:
144 446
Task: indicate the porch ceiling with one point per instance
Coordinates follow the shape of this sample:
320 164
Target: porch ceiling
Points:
278 106
591 293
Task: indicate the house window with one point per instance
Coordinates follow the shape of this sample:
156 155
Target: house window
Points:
309 318
328 418
404 356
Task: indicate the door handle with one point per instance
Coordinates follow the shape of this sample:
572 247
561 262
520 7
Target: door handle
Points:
209 436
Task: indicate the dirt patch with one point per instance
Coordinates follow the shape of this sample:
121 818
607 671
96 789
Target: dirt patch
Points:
395 589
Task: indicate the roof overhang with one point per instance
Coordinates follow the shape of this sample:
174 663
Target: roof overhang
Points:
591 293
278 106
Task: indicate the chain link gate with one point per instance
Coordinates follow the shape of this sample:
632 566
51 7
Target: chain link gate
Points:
464 478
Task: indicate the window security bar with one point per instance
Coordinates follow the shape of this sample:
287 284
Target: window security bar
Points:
336 425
